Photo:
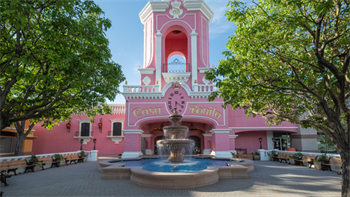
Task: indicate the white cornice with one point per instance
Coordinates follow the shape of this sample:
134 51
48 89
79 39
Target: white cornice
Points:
153 6
146 135
176 76
146 71
199 5
132 132
263 128
116 139
207 134
220 130
203 69
233 136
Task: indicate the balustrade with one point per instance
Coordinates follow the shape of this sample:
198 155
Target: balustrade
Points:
204 88
139 88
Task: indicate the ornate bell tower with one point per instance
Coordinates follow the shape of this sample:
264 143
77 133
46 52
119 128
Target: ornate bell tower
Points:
175 27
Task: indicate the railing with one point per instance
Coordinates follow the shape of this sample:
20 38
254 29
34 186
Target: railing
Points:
176 68
139 88
204 88
77 134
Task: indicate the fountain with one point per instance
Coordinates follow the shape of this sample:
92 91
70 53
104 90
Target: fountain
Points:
176 143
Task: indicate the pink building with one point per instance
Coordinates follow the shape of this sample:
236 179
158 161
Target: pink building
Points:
173 27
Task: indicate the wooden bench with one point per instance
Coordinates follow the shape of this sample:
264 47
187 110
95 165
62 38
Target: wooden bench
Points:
12 166
48 160
305 158
240 154
72 158
3 176
285 157
332 162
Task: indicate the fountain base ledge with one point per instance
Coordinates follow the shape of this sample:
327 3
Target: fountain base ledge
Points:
168 180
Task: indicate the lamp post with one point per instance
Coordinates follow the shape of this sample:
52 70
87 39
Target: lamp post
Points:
94 143
260 139
81 142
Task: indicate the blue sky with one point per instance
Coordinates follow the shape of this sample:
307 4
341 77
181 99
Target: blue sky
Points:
126 35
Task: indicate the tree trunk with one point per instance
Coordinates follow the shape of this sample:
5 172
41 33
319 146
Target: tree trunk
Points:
20 139
346 175
21 136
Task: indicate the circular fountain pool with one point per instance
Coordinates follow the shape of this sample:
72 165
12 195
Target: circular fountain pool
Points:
188 165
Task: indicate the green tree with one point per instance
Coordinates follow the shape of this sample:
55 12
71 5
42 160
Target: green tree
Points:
324 140
288 60
54 61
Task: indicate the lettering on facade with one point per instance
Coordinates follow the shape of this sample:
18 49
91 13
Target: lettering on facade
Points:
205 110
149 111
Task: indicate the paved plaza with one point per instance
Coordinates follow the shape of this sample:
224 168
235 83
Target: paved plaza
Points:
268 179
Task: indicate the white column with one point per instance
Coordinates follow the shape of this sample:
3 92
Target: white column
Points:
92 156
194 55
269 136
159 59
148 150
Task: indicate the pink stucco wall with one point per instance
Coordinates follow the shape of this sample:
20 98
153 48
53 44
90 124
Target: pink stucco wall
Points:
59 140
250 140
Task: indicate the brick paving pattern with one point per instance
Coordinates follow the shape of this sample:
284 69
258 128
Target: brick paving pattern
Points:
268 179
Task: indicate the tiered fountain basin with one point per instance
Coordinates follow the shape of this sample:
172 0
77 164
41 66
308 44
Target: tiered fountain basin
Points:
159 173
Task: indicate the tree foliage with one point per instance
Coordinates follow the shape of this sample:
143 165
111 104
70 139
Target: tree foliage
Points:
288 60
54 61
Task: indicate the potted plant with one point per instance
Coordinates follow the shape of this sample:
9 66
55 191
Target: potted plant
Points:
234 155
58 157
256 155
34 160
298 156
270 155
291 161
274 153
317 163
83 155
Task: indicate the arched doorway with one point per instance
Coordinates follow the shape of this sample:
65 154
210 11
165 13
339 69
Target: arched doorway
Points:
155 143
197 144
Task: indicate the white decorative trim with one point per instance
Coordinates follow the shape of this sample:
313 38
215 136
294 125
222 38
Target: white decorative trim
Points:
116 120
159 59
149 152
85 138
203 69
207 151
183 77
207 134
176 7
132 132
194 56
13 128
222 154
84 121
220 130
153 6
116 139
146 71
263 127
146 135
130 155
233 136
205 81
269 136
146 80
199 5
175 20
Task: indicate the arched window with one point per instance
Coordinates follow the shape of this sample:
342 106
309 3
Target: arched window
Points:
176 64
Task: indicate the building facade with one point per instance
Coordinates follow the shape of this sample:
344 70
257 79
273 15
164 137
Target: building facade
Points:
173 28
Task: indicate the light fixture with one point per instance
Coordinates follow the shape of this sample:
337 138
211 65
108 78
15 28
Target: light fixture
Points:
159 128
94 143
260 139
100 125
192 127
81 144
68 126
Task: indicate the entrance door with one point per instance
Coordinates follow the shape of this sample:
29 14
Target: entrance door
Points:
143 146
197 144
155 143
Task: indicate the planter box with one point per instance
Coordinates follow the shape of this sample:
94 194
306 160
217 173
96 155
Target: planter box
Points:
37 168
257 157
291 161
85 159
317 165
62 163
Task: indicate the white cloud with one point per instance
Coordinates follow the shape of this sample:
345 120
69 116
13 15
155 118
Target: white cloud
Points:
219 24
